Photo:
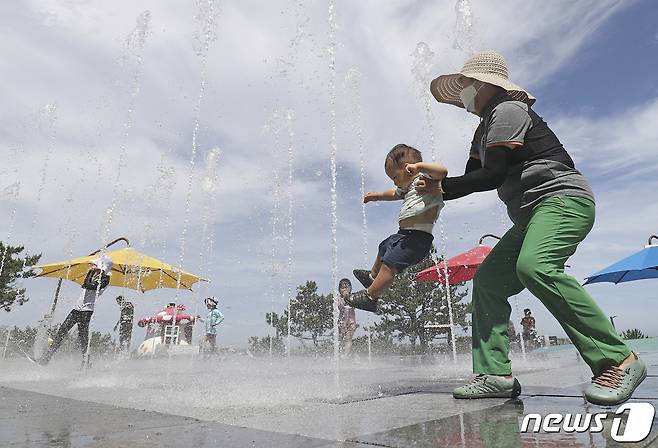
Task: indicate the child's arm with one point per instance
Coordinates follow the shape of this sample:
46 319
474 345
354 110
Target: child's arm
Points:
388 195
435 170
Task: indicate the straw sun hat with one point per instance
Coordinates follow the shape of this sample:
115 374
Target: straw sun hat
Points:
489 67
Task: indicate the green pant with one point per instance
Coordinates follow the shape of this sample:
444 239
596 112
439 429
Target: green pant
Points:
533 257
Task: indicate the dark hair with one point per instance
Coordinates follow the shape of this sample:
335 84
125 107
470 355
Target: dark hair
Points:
345 282
403 153
526 311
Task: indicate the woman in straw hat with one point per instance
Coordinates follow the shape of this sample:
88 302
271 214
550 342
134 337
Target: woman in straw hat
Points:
552 208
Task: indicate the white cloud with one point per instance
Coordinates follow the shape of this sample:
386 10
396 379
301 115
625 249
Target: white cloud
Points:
623 144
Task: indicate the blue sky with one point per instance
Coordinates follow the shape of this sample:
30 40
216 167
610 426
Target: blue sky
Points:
613 69
590 63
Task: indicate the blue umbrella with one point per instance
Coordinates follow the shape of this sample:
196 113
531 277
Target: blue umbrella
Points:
640 265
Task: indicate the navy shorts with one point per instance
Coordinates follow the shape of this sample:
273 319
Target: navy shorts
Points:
405 248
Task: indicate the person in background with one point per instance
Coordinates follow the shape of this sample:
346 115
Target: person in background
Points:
94 284
125 323
347 317
528 324
212 320
529 330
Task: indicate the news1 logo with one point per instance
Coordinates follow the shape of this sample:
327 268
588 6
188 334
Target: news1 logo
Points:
638 422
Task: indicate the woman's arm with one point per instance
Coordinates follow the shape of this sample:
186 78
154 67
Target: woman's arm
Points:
430 186
472 164
489 177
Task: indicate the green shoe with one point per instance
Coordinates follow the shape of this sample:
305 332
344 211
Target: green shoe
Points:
362 301
489 386
615 385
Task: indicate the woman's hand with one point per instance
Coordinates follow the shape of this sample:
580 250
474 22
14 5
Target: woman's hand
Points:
425 185
370 197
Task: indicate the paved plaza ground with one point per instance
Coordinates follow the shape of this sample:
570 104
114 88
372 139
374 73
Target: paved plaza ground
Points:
301 402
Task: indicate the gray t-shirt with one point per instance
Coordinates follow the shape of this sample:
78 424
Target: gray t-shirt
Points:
540 166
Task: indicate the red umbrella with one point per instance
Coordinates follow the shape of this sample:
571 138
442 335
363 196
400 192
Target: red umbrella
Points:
461 268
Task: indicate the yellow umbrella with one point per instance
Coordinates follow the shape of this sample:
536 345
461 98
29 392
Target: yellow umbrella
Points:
131 269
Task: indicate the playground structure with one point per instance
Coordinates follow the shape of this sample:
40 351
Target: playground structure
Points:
168 332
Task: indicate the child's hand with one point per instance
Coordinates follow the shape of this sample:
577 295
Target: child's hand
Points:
370 197
412 168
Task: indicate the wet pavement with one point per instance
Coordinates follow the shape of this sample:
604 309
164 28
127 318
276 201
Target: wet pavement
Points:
251 403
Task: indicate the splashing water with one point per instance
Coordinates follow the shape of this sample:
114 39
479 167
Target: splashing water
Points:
286 68
270 126
463 31
50 111
13 191
444 272
211 178
166 182
13 194
134 44
275 212
157 196
353 79
206 21
207 18
290 117
422 66
332 165
209 187
422 69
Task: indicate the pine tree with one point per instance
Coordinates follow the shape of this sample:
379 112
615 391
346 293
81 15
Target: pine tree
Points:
312 316
12 269
410 305
633 333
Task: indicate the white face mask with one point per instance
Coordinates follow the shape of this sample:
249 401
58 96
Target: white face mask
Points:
467 95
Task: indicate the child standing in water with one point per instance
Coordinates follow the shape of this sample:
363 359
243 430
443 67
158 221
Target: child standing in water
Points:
347 317
214 318
413 241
